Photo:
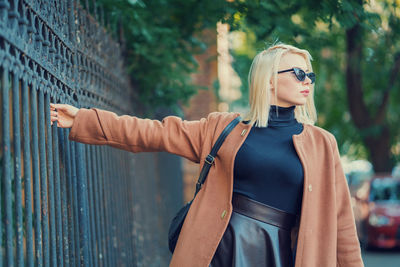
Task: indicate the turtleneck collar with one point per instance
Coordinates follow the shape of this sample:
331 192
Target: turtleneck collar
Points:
285 116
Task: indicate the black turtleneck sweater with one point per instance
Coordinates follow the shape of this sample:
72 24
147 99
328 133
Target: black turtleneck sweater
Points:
267 167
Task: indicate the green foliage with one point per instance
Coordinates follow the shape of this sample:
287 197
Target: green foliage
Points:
161 41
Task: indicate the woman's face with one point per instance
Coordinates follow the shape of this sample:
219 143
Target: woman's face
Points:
291 92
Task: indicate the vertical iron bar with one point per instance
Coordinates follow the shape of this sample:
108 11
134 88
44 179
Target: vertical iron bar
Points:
122 200
75 204
43 180
2 172
86 199
17 172
69 194
110 202
8 222
27 174
99 214
118 194
82 204
118 213
106 207
50 177
95 10
124 211
126 233
104 204
64 188
128 209
106 240
126 203
36 178
129 188
89 216
101 205
95 201
57 197
71 20
92 216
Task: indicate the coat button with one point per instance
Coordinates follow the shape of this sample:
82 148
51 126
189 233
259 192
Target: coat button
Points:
310 187
243 132
223 214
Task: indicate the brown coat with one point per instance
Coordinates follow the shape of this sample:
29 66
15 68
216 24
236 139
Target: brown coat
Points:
327 235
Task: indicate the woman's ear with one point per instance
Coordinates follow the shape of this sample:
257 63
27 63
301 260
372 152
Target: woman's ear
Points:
271 86
271 81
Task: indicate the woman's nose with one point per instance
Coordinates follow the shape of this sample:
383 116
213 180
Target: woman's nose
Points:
307 80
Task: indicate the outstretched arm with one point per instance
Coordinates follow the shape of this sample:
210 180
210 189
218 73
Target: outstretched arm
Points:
172 134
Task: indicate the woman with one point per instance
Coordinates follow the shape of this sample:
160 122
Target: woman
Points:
276 194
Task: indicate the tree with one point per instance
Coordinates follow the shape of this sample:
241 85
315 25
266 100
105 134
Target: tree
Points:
372 118
160 44
356 47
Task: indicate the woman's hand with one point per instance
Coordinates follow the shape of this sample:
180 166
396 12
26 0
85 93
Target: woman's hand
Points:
64 114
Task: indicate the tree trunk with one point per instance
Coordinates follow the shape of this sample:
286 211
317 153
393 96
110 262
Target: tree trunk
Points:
379 148
377 141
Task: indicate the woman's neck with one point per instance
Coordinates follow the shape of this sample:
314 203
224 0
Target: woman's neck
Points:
281 116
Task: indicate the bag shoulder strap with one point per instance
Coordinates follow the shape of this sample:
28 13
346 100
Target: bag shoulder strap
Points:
211 157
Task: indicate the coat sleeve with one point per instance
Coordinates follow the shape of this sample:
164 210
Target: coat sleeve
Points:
172 134
348 246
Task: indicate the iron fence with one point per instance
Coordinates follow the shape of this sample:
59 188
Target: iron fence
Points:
64 203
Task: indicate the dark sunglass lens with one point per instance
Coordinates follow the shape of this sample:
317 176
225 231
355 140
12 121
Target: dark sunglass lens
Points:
300 74
311 75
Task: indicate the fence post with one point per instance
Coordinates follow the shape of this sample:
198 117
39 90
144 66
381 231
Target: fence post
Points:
82 206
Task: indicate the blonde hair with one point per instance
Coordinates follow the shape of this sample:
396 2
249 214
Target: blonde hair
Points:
264 67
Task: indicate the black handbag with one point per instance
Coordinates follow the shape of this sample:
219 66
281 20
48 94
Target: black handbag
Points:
177 222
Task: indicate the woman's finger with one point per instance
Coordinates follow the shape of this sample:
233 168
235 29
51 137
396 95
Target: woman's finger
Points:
52 106
52 119
61 106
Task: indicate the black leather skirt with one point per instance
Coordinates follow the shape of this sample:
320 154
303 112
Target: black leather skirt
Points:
257 235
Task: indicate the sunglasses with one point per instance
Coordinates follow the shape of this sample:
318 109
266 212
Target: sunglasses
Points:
300 74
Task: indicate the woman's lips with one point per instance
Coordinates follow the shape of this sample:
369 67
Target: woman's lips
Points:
305 92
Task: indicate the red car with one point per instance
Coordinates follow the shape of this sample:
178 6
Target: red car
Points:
377 212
